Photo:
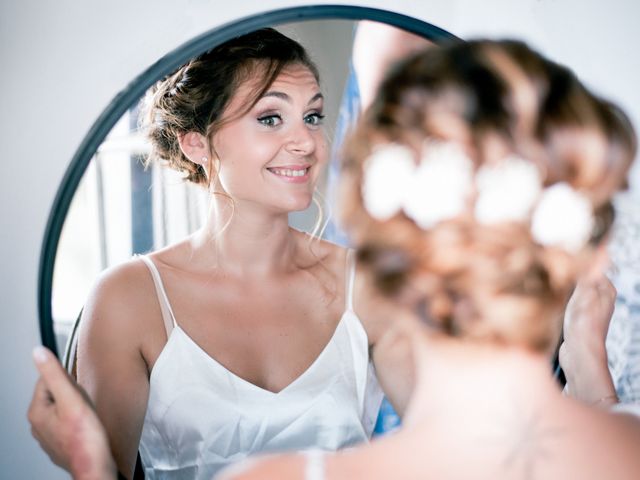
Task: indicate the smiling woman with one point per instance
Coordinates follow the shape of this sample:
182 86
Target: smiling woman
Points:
246 317
121 208
245 299
108 207
239 310
288 115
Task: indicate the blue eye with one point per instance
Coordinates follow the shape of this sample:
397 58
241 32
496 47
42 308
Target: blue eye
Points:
314 119
270 120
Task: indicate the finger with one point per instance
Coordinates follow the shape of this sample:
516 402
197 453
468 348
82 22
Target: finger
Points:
605 294
40 393
606 288
35 433
580 294
563 356
55 377
40 401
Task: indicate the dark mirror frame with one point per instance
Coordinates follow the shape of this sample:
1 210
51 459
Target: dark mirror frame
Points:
164 66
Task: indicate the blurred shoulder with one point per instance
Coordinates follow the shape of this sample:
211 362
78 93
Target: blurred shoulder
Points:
626 418
283 467
618 430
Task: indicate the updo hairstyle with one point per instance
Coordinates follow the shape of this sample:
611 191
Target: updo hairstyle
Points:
194 98
492 99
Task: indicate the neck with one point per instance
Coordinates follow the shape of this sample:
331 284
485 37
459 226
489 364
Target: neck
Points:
245 240
483 382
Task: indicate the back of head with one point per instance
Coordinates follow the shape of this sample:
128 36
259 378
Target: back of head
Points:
194 98
481 178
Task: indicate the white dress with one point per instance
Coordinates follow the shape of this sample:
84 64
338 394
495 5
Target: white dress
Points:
201 417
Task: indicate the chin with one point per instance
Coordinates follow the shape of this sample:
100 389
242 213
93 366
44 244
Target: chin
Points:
301 207
299 204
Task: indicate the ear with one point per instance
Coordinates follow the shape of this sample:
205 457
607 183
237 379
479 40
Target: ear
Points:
195 147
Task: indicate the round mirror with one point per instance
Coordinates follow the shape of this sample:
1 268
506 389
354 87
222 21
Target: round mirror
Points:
110 207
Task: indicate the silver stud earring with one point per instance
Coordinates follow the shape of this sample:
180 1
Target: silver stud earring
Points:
204 159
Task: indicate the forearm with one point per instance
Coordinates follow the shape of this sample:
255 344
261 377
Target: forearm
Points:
588 376
583 355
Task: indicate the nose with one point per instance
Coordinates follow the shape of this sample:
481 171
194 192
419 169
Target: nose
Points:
302 140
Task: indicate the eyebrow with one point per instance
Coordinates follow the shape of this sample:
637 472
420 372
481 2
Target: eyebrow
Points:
287 98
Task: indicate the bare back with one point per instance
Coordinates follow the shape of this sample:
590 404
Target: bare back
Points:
566 441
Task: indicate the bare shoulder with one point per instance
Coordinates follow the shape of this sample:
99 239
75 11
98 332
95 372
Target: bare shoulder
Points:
121 299
610 441
314 250
627 424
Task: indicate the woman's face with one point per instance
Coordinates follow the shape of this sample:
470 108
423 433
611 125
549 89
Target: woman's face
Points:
272 155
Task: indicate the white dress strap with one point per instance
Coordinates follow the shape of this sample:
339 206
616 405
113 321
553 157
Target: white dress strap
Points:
350 276
167 313
314 466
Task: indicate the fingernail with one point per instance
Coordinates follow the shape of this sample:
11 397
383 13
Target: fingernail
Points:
40 354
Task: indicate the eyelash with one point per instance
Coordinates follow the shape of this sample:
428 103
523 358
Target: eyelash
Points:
266 120
318 116
263 120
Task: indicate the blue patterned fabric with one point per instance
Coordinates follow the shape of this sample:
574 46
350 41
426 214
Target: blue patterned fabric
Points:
347 117
388 419
623 339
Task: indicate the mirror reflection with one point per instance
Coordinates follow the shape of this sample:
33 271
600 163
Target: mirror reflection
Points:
224 281
246 305
123 207
245 334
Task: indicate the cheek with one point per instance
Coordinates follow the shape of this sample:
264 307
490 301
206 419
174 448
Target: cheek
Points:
242 150
261 149
253 148
322 149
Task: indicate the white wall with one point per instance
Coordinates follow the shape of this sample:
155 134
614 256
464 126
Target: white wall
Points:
597 39
62 62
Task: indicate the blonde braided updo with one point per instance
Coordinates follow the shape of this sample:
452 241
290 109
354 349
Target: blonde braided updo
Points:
501 271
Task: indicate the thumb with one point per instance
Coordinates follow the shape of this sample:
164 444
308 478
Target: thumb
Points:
55 378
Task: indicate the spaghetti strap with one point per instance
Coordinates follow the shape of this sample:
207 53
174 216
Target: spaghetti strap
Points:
350 276
314 467
167 313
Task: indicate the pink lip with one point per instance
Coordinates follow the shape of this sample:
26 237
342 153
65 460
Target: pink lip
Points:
299 179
